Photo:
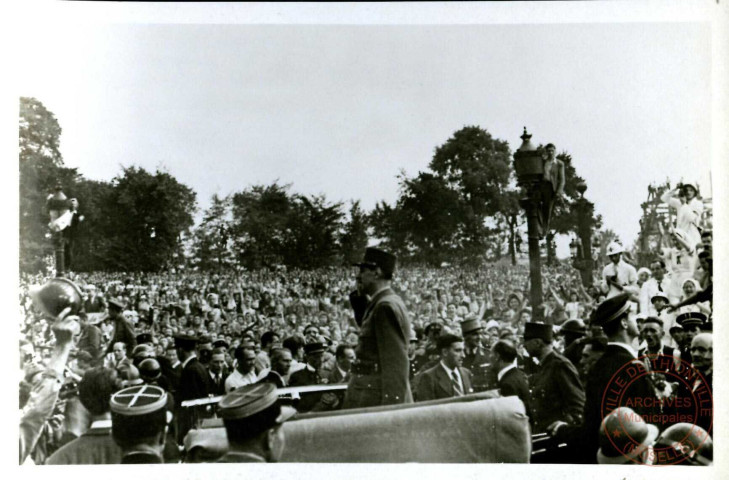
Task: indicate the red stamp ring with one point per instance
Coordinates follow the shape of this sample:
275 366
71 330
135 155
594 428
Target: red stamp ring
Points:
690 401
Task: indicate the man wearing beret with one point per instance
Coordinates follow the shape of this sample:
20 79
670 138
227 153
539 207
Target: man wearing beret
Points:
557 393
613 315
253 416
139 421
380 373
194 381
448 378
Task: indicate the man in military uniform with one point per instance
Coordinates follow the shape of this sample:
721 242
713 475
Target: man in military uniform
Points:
380 373
309 375
613 315
557 392
139 421
691 322
253 416
477 359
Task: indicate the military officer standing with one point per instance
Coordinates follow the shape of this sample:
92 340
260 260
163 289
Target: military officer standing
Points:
380 373
557 392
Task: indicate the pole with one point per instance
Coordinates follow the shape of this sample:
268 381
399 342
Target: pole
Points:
59 250
531 206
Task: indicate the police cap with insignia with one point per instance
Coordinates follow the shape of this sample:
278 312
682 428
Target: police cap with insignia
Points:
612 309
251 410
690 319
538 330
185 342
138 413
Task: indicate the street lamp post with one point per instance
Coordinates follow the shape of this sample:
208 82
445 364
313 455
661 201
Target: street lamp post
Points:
59 208
529 167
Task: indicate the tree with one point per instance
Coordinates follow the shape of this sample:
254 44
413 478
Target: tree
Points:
311 232
354 237
260 216
210 240
150 214
40 168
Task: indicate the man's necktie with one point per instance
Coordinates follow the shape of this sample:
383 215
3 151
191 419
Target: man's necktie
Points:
457 390
660 287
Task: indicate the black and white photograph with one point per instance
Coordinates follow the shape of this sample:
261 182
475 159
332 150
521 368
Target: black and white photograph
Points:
465 234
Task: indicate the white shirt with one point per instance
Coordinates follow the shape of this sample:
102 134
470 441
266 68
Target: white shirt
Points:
650 288
237 380
627 277
503 371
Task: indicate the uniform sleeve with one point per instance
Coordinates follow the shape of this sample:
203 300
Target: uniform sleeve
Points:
393 354
573 395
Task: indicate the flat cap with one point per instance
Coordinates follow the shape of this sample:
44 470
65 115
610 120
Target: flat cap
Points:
538 330
221 344
249 400
614 308
138 400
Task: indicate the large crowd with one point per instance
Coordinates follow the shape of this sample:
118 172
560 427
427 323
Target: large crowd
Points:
296 328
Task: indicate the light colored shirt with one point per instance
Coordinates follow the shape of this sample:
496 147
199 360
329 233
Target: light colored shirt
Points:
627 277
237 380
650 288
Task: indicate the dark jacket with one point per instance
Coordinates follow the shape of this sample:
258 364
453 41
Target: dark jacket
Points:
435 384
383 344
123 332
194 381
557 393
603 382
478 362
514 382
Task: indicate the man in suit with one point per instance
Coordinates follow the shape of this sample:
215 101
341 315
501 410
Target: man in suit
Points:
194 382
511 380
172 368
345 357
551 187
217 374
477 359
448 378
605 378
557 392
380 373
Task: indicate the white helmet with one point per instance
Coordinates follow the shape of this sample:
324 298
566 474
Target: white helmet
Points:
614 248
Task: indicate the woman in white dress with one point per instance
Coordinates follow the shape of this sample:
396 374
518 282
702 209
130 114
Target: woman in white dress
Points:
689 208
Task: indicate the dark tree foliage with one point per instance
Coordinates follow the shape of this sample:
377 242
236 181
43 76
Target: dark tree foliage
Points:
354 237
272 227
150 213
211 245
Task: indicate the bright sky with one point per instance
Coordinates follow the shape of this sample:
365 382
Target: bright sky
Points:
341 109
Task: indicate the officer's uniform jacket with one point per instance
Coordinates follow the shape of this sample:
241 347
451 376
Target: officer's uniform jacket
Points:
380 374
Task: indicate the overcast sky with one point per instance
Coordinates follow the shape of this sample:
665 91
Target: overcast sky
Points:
340 110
